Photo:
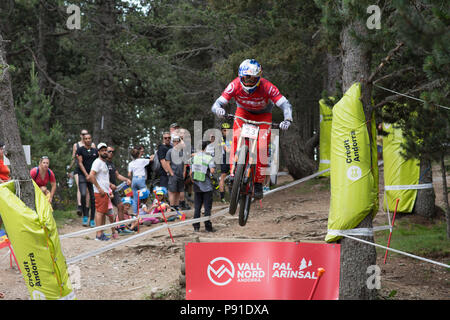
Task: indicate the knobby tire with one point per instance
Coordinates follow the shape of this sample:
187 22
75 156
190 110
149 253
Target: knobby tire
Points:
237 182
246 200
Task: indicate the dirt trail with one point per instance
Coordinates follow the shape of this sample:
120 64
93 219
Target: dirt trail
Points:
149 267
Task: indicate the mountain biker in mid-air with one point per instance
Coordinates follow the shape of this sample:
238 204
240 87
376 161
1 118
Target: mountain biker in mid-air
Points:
254 98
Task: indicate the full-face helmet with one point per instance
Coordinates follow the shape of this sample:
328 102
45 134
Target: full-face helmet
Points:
250 72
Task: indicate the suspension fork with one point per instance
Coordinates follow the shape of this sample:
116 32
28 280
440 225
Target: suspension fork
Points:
236 155
252 155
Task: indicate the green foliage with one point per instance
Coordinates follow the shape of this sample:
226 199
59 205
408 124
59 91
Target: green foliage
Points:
164 61
39 130
424 30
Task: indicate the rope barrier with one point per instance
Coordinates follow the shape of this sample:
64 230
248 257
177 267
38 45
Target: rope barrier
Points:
407 96
107 226
344 233
133 237
165 225
394 250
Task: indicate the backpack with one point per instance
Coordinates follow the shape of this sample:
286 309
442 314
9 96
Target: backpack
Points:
37 173
156 163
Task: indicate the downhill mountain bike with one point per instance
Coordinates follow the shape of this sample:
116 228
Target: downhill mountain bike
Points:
244 167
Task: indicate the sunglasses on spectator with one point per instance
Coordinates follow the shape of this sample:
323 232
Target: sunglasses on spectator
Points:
110 151
166 138
44 157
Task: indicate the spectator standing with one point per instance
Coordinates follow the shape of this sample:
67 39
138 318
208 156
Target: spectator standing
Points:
114 175
138 174
176 168
202 166
182 133
225 166
77 170
174 130
162 152
4 170
210 148
99 176
42 175
86 155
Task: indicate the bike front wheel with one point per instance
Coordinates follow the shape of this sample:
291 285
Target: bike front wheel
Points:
238 178
246 198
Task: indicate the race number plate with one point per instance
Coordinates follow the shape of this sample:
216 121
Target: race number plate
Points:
249 131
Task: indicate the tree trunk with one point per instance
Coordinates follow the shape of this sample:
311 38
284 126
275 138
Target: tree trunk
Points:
296 155
16 156
40 48
445 193
425 200
356 257
105 73
333 79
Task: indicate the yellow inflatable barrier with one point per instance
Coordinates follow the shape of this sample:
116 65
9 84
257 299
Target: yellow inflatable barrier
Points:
34 238
326 116
400 175
354 173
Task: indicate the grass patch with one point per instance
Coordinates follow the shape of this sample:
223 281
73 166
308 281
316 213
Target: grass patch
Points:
62 216
422 240
314 185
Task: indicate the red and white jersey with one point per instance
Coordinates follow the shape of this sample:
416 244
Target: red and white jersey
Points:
256 102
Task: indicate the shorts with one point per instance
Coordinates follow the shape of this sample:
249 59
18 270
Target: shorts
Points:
175 184
101 203
164 180
224 166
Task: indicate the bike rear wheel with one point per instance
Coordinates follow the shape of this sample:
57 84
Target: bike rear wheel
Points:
237 182
246 199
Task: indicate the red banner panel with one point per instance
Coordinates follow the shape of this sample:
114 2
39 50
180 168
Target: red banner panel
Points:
262 271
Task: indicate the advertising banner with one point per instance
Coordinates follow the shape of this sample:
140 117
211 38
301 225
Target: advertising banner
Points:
261 271
354 172
398 172
35 240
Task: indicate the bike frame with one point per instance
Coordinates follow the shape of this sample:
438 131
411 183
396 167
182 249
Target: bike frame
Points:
251 142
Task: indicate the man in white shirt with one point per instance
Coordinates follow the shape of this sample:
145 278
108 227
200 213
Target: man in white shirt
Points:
99 176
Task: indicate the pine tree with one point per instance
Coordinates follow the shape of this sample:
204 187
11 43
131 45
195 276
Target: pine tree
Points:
39 130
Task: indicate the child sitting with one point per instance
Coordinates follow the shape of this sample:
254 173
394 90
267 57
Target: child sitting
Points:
127 204
143 195
159 204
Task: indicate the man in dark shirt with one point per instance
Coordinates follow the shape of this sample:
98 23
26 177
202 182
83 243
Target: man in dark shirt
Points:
86 156
162 151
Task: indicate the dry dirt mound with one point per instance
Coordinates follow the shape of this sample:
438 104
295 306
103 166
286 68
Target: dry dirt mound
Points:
149 267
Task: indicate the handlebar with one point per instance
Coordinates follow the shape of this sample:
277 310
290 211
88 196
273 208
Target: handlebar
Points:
230 116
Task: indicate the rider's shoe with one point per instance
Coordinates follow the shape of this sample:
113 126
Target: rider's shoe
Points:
258 194
229 180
